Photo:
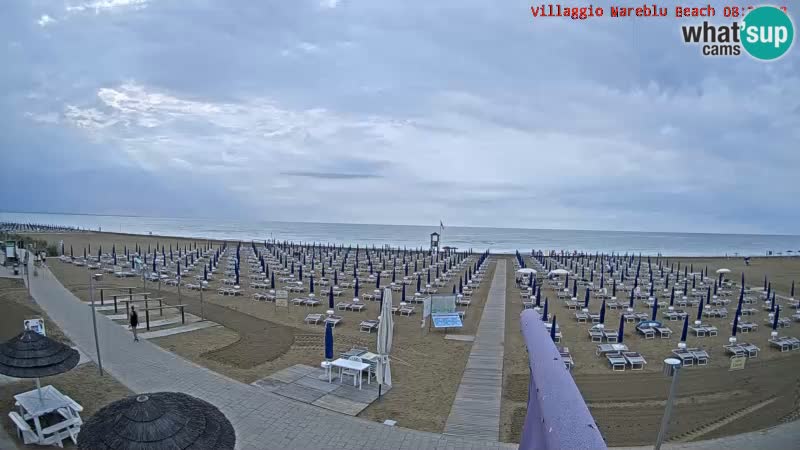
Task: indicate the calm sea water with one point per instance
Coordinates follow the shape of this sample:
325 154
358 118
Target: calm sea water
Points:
498 240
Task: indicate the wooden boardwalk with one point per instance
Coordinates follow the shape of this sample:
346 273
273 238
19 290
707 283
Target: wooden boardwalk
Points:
476 409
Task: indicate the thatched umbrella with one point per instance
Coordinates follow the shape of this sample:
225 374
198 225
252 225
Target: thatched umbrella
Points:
31 355
160 420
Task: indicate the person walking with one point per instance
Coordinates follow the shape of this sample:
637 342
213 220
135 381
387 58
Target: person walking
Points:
134 324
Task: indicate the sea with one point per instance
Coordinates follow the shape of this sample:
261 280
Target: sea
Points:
496 240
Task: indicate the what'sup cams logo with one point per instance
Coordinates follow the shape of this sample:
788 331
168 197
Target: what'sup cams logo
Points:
765 33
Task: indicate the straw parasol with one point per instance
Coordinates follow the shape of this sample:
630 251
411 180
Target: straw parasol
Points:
157 421
31 355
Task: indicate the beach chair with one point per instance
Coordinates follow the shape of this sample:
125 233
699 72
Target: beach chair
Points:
298 301
333 320
358 307
596 335
635 360
751 350
648 332
664 332
581 317
313 319
366 326
311 302
701 357
567 358
406 310
780 344
617 362
686 357
610 336
342 306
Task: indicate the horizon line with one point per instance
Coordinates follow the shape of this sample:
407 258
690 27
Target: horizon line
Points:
395 225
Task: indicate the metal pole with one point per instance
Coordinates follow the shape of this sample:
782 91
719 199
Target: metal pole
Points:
94 324
202 313
662 434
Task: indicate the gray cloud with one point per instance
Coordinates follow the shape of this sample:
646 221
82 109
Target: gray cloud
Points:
331 175
462 110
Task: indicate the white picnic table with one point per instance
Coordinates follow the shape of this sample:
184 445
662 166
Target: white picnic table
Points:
35 404
342 364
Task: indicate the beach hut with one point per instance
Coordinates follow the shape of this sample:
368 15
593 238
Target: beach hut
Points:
158 420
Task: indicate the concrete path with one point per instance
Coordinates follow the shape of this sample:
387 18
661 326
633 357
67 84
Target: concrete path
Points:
476 409
262 420
782 437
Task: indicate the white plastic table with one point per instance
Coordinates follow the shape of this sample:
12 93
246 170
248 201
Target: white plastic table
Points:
347 364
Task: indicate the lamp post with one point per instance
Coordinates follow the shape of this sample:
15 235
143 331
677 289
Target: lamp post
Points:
671 368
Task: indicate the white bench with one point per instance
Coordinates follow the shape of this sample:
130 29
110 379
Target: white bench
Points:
24 430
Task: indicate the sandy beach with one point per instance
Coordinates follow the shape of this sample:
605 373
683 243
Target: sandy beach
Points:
256 339
628 406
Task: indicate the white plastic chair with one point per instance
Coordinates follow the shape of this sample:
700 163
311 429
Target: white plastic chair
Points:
352 372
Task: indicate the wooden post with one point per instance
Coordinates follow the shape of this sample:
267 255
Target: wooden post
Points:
115 304
101 298
183 317
147 318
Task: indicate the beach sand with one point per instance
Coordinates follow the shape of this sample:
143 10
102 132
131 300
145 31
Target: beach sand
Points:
83 383
427 369
257 338
628 406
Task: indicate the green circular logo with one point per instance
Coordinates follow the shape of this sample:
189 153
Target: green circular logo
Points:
767 33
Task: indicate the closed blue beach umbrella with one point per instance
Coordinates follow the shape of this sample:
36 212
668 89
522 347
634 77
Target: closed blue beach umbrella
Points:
403 295
237 275
621 332
672 297
613 287
735 324
328 341
378 281
772 304
699 312
429 276
300 273
205 273
179 270
330 298
419 283
603 312
685 329
586 299
553 328
655 309
775 319
546 307
356 289
792 293
454 289
272 281
311 284
575 288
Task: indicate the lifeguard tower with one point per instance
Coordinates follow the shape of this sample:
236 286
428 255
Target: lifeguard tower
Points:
434 242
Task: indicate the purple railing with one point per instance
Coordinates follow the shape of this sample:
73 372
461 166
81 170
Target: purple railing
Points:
557 418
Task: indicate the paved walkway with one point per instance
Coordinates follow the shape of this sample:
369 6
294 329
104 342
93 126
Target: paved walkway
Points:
262 420
476 408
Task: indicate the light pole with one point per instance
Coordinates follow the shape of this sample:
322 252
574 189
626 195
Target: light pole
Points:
671 368
94 323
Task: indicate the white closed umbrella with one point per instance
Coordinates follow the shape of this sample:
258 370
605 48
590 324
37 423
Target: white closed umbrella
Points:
385 332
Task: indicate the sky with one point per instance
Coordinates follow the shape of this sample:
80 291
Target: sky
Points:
361 111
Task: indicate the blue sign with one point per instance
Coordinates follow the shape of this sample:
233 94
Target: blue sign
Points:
446 321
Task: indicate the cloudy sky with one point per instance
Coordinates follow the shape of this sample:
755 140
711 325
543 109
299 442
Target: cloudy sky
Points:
405 112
